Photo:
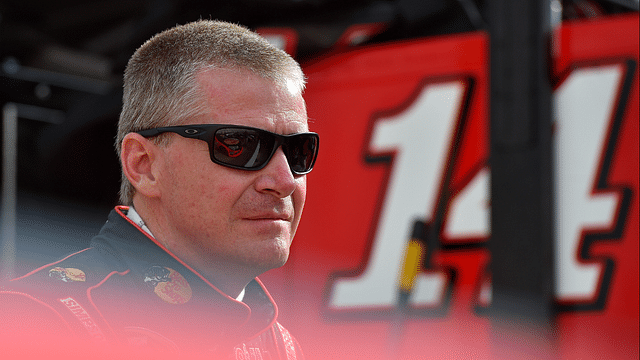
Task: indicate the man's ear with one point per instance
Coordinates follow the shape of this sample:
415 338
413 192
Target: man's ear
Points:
137 157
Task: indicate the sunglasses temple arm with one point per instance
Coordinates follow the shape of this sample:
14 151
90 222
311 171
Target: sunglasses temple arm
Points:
149 133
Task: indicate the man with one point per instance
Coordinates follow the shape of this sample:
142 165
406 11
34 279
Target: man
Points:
214 147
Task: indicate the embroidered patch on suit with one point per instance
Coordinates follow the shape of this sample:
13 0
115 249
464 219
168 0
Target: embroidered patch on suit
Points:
83 316
288 343
168 284
250 353
67 274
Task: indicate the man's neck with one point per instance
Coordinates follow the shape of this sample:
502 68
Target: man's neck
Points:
221 277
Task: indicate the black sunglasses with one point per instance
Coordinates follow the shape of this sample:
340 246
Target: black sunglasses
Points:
248 148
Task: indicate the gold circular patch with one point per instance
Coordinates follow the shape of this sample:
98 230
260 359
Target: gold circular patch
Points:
67 274
174 291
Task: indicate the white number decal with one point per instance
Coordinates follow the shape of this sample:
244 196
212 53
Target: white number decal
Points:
469 214
421 137
585 105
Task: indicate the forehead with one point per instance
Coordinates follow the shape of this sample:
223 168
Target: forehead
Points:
238 96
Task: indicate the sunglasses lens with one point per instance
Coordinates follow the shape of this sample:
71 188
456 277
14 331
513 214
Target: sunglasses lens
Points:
301 152
248 148
242 148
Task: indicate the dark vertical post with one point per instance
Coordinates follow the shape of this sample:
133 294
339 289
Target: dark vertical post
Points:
9 190
521 178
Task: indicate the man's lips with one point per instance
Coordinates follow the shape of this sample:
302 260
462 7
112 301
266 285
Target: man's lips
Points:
269 216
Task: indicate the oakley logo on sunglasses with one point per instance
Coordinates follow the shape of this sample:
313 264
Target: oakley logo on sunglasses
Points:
248 148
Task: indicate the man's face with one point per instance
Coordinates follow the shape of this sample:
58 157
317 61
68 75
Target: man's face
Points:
217 216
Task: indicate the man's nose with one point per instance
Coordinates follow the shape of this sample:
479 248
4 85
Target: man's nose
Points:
276 178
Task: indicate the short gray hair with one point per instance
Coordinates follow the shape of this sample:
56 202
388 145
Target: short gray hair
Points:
159 81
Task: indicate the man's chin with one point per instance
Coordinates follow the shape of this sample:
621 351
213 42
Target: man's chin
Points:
271 262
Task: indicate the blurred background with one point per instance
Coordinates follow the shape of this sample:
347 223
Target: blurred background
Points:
476 194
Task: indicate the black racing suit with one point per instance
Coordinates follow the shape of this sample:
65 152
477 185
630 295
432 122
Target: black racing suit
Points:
126 294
